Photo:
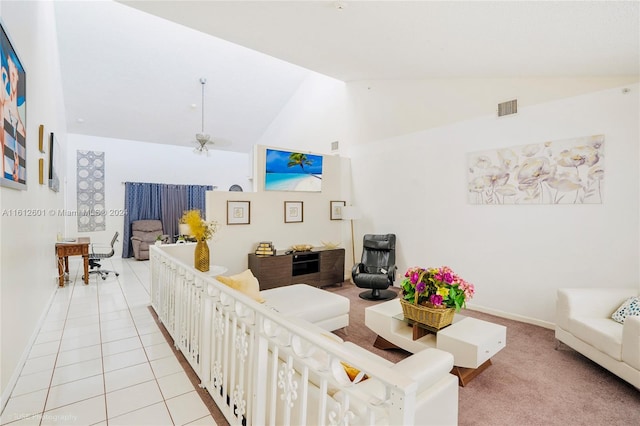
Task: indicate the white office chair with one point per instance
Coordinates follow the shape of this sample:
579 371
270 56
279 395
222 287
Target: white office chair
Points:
98 252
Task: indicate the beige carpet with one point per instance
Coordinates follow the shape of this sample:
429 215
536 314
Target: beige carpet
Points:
529 383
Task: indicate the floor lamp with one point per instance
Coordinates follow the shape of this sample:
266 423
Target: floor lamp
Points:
351 213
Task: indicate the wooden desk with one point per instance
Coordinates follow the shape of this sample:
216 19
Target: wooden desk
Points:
80 247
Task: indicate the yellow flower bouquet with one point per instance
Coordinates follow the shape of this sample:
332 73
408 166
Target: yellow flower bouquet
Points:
201 229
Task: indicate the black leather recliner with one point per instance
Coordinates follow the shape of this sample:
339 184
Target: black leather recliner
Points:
377 269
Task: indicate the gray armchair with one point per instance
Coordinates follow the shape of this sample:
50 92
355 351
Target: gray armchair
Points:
145 233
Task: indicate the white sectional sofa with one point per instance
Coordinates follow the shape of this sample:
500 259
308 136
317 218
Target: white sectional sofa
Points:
583 322
267 366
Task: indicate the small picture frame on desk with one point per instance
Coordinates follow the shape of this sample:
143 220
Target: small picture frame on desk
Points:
293 212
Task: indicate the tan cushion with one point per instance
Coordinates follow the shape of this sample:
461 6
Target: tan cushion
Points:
245 283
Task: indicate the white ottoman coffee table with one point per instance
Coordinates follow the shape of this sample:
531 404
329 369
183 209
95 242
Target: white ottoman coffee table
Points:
320 307
471 341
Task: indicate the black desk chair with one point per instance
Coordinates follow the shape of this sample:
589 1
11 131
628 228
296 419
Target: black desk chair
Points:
98 252
377 269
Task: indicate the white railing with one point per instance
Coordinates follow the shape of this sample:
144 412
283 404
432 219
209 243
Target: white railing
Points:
262 368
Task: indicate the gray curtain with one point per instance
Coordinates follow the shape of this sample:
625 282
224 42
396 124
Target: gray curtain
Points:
174 203
164 202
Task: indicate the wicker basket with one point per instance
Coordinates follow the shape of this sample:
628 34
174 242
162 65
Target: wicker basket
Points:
433 317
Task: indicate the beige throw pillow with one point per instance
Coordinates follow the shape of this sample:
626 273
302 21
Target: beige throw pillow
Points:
245 283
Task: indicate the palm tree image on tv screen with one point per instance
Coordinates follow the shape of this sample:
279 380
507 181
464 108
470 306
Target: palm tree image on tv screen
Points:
292 171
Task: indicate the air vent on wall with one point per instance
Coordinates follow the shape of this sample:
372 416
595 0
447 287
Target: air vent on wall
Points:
507 108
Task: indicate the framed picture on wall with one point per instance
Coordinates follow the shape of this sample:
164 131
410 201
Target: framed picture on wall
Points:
54 163
292 171
41 138
238 212
293 211
336 209
13 134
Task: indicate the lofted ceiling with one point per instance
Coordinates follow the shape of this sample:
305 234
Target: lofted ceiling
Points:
131 69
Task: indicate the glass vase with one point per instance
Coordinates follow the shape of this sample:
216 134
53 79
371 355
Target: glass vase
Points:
201 256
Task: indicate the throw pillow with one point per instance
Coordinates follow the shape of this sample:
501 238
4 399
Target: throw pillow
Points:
352 372
630 307
245 283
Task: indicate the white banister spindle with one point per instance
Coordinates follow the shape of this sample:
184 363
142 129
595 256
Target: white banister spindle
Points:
304 395
273 389
205 339
322 404
259 372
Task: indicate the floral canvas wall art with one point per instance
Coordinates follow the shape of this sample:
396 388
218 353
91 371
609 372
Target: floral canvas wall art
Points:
569 171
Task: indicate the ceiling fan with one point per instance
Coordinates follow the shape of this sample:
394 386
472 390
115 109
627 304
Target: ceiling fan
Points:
203 139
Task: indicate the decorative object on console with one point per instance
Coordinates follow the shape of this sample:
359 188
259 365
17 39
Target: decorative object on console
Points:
335 209
201 231
431 296
301 247
238 212
293 212
330 244
265 248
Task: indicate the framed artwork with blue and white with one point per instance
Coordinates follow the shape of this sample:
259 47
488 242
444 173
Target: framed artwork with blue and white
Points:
13 116
292 171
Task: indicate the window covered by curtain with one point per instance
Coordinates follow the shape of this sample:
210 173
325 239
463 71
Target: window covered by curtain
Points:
165 202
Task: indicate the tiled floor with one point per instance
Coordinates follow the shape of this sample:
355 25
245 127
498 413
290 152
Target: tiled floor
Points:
100 359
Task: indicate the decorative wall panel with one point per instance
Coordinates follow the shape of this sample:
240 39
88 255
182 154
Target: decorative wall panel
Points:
90 191
569 171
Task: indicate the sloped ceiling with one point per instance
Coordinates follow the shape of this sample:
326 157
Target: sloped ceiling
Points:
131 62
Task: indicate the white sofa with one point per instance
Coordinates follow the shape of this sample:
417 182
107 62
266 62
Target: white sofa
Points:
583 322
266 367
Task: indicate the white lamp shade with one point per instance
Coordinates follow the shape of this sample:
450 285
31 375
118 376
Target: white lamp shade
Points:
351 213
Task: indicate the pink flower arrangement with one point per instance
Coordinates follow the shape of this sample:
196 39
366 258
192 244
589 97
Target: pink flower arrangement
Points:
439 287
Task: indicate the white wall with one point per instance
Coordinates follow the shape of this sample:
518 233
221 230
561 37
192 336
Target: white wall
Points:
386 108
133 161
315 116
28 265
516 255
232 243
